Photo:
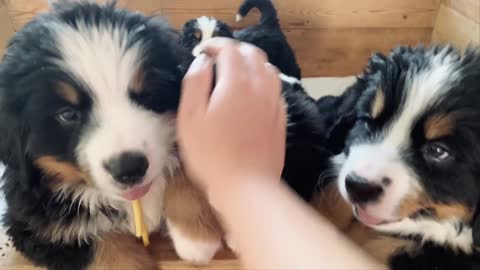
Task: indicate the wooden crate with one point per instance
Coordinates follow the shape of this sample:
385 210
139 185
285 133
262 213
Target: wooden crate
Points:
330 37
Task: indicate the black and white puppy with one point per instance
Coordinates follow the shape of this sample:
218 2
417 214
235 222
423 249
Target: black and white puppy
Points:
87 101
411 165
266 35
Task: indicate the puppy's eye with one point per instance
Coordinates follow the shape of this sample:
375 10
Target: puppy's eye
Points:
366 119
436 152
68 116
197 35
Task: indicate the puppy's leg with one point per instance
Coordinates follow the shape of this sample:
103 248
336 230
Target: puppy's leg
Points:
121 251
193 227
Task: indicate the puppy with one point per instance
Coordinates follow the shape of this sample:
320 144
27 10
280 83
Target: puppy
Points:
407 188
87 101
266 35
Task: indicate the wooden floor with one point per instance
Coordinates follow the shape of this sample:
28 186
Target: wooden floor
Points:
167 259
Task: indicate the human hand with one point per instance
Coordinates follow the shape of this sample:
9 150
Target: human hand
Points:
239 130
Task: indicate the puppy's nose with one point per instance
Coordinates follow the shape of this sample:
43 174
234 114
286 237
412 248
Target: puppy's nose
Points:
360 190
128 168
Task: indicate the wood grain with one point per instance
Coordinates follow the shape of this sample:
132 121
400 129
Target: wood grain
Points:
298 14
6 26
343 52
330 37
468 8
455 26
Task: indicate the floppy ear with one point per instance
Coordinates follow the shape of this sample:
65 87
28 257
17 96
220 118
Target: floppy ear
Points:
476 227
341 114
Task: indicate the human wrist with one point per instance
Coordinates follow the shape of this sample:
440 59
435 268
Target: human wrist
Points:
237 187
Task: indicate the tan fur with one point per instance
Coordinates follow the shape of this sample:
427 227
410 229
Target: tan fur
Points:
439 125
122 251
383 247
62 171
378 103
188 209
137 83
331 205
67 92
415 203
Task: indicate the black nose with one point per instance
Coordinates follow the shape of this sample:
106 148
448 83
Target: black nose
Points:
128 168
360 190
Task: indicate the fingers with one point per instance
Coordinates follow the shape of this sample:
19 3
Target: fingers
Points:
196 89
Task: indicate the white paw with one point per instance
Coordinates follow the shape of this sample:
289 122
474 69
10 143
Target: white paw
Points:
232 245
197 252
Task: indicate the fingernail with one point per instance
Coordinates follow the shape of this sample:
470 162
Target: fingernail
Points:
198 63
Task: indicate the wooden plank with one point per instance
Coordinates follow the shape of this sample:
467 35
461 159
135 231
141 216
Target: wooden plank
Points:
299 14
453 27
6 26
468 8
343 52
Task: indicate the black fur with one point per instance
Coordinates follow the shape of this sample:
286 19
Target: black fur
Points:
266 35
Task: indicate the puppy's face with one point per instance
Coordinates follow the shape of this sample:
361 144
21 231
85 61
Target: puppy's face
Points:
413 154
87 96
197 31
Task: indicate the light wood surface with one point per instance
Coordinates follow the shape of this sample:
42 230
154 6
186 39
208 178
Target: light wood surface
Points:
6 26
330 37
458 22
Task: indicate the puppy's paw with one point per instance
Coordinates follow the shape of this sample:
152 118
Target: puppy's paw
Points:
195 251
231 244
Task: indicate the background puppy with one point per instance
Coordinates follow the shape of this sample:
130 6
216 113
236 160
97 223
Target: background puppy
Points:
409 172
87 101
266 35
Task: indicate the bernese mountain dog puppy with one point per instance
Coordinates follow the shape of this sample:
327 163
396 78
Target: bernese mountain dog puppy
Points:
266 35
88 95
407 188
87 101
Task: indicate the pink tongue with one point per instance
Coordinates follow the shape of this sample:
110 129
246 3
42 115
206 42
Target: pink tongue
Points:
136 193
366 218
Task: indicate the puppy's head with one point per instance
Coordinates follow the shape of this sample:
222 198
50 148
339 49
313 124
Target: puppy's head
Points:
87 94
412 160
197 31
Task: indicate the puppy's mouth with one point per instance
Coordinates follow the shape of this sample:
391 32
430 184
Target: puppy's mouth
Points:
371 220
136 192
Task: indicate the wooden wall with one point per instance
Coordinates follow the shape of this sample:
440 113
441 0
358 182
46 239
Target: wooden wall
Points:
458 22
330 37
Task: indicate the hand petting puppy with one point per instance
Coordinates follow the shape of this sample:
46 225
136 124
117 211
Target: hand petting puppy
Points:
238 129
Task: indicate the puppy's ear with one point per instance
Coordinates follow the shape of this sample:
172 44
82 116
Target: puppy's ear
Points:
10 142
476 227
341 111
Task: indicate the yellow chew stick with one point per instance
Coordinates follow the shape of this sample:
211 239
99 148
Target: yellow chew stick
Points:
138 217
140 226
145 239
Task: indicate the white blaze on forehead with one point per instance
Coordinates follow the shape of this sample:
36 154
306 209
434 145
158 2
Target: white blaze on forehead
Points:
98 56
422 90
207 26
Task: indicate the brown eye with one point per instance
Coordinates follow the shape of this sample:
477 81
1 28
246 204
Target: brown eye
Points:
435 152
198 35
68 116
